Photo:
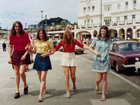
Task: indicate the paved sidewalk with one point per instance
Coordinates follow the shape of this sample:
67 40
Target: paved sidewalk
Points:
119 92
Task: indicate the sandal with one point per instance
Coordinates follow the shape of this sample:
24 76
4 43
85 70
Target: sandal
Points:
74 89
45 92
67 95
103 99
96 90
40 99
26 90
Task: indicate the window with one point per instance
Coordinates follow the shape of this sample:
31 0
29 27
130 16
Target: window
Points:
125 17
91 21
114 48
88 21
84 22
107 20
118 6
118 18
133 16
107 8
88 9
134 1
93 8
84 9
126 5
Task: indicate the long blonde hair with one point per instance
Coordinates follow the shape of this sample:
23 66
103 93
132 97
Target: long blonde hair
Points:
65 39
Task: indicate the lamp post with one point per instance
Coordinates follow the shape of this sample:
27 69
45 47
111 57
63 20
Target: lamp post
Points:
41 18
101 15
46 20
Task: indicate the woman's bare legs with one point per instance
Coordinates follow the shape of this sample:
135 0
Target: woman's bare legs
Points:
73 77
66 72
98 80
17 77
104 84
22 74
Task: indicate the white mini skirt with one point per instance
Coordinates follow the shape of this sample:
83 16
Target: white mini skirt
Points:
68 59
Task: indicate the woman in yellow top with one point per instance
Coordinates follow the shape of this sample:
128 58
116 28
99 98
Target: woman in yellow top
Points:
42 61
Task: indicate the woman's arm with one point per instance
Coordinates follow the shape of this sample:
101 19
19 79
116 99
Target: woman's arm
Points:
27 51
92 50
10 51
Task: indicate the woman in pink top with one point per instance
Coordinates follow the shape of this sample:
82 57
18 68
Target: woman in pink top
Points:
68 60
18 56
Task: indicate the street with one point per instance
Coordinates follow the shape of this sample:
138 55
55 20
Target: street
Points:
119 92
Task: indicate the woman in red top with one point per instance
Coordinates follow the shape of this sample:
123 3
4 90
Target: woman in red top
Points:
68 60
18 56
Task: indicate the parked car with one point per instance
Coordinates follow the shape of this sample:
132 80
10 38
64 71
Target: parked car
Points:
123 53
77 49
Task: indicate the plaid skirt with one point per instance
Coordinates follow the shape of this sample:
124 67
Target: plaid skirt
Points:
16 58
42 64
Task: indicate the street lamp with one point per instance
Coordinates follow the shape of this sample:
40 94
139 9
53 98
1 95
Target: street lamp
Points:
41 18
101 15
46 20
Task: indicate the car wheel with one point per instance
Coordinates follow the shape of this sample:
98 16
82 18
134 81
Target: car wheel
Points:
82 52
117 68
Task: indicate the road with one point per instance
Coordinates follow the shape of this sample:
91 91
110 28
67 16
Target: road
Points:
129 74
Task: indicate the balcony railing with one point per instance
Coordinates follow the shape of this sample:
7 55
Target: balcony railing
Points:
112 23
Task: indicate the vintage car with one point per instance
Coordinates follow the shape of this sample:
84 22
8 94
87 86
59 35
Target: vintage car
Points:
123 54
77 49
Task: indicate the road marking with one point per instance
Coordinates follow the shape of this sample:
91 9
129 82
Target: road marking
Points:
131 83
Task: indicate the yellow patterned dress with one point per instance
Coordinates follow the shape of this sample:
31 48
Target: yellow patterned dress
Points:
42 64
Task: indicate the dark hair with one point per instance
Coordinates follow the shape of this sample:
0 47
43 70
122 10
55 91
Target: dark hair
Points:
44 32
107 32
13 31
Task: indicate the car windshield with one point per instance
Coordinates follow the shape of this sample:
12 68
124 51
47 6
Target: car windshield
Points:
129 47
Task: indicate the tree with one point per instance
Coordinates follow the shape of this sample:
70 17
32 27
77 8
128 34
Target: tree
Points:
63 24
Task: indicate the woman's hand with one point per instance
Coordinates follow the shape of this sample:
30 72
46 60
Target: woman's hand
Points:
43 55
97 54
23 57
10 61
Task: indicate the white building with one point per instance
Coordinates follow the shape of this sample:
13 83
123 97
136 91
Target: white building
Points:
121 16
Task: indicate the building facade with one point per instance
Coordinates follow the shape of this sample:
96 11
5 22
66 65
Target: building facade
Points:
121 16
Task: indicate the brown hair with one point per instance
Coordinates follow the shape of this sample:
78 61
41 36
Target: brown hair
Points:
65 40
44 32
107 32
13 31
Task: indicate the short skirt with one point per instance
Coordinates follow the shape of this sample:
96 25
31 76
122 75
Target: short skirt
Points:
16 57
42 64
68 59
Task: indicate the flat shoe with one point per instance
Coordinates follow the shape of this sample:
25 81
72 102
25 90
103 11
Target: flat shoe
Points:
17 95
103 99
74 89
26 90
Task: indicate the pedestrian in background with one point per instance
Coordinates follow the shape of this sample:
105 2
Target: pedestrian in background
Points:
101 64
18 56
68 60
42 61
4 46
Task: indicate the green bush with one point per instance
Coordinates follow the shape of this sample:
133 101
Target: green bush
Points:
134 39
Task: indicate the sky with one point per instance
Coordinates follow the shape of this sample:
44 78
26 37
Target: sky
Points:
29 11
